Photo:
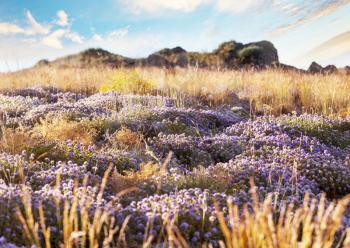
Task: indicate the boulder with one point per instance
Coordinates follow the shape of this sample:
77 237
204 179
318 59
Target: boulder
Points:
347 70
330 69
228 51
43 62
258 54
285 67
268 55
229 55
171 51
315 68
157 60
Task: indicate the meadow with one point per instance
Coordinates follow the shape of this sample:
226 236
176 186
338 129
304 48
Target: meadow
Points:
153 157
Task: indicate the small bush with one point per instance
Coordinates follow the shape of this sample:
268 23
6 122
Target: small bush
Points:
328 131
85 132
128 82
248 54
126 139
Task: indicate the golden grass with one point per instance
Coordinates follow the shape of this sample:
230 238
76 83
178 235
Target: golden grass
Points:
312 225
132 180
218 179
126 139
273 90
85 132
78 227
14 141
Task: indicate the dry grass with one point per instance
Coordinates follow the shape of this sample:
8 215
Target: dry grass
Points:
132 180
14 141
218 179
79 226
275 90
312 225
67 79
126 139
84 132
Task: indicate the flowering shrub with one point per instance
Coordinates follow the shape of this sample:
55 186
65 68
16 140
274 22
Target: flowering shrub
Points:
140 171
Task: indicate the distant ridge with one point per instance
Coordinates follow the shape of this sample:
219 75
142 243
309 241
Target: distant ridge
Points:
228 55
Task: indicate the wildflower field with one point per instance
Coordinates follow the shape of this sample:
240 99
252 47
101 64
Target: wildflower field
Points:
146 159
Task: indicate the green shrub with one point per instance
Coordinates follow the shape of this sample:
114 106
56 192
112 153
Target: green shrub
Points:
328 132
249 54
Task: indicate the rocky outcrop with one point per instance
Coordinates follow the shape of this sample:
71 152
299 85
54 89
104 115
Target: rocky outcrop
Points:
316 68
262 53
228 55
157 60
284 67
231 55
330 69
347 70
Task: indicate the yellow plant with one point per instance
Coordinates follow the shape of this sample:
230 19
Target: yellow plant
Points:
128 81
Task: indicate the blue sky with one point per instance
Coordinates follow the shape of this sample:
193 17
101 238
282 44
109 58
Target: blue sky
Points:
302 31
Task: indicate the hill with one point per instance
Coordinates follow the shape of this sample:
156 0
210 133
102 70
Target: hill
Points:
231 55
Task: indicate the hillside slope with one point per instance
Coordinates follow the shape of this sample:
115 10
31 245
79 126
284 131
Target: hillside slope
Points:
229 54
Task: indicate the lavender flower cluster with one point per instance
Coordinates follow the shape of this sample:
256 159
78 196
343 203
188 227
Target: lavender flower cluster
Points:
287 156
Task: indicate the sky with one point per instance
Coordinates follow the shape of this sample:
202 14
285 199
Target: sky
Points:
302 31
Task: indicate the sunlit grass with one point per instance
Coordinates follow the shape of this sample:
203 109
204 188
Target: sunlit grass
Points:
273 90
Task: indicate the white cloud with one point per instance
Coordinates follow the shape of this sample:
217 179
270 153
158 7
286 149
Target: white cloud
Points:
9 28
334 47
313 12
131 44
154 6
37 31
63 18
119 33
73 36
54 39
34 26
237 5
97 37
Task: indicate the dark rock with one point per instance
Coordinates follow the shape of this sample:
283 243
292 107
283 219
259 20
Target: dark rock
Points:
315 68
228 52
175 50
285 67
43 62
330 69
262 54
182 60
230 55
347 70
157 60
